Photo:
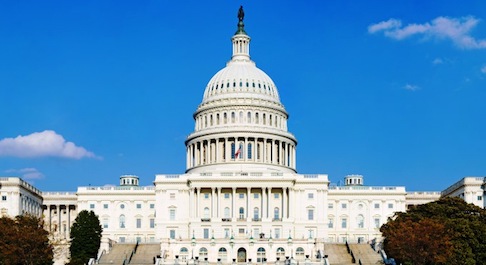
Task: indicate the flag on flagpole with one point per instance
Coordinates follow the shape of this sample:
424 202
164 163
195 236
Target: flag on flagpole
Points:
237 152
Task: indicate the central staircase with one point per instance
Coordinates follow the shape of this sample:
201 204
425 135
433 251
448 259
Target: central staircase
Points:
143 254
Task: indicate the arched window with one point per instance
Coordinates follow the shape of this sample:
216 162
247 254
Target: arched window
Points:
299 253
225 118
240 118
233 117
184 253
248 117
281 254
121 220
217 119
260 254
256 118
211 120
249 150
264 121
360 221
205 121
270 119
227 212
233 150
242 212
276 213
206 212
256 214
203 253
223 254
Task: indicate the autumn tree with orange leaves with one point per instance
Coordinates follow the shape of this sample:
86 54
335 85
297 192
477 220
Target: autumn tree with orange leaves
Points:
24 241
447 231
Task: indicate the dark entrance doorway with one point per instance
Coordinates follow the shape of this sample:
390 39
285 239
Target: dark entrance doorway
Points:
241 255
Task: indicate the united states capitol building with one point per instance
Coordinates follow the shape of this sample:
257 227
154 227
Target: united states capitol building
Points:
240 197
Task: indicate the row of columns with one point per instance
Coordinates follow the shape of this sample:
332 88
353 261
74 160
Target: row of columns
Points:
51 220
265 207
210 151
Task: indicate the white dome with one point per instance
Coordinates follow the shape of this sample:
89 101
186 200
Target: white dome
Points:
241 79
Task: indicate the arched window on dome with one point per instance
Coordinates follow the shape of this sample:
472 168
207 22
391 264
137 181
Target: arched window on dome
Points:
249 150
248 117
256 118
211 120
240 117
205 121
258 154
225 118
233 150
270 119
263 119
217 119
233 117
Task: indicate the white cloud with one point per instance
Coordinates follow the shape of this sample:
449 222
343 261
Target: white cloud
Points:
483 70
455 29
27 173
437 61
411 87
41 144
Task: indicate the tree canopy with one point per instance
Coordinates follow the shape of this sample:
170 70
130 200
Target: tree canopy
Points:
24 241
85 237
447 231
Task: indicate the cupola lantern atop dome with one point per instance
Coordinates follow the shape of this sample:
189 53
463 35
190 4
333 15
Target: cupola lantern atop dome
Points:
241 41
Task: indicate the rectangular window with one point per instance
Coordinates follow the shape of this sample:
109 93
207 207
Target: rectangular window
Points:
172 234
152 223
241 195
256 232
121 239
390 206
172 214
139 223
226 195
152 206
172 196
310 214
4 197
310 196
92 206
139 206
330 223
206 195
344 222
226 233
344 206
206 233
277 233
377 222
105 206
105 223
480 198
256 195
241 231
377 206
276 195
330 206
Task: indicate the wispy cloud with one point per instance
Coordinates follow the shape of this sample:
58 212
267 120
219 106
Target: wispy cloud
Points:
42 144
411 87
455 29
437 61
27 173
483 70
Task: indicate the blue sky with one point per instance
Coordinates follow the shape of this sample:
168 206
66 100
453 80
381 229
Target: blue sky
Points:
392 90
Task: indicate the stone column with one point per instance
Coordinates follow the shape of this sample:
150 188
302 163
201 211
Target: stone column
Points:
59 230
213 202
269 203
285 203
218 208
191 202
248 204
264 212
233 204
197 201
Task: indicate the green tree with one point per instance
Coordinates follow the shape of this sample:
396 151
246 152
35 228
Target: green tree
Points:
24 241
85 237
447 231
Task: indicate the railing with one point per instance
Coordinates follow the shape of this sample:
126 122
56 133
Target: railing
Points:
129 259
